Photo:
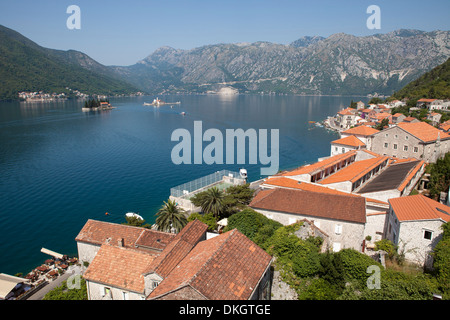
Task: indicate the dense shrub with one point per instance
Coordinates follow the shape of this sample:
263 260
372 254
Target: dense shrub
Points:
253 225
355 264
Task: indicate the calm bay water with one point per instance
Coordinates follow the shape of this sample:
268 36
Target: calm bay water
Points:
60 166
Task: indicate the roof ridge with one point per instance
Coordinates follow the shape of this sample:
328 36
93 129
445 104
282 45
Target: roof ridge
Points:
428 204
231 233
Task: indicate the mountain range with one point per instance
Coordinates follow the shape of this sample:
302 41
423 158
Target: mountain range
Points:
340 64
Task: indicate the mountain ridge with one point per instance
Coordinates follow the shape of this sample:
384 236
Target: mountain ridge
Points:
338 64
26 66
341 64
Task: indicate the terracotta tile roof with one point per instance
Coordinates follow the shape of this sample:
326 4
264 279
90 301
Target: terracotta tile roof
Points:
119 267
226 267
313 204
321 165
178 248
100 232
423 131
153 239
397 115
354 171
361 130
284 182
409 119
426 100
349 141
348 111
419 207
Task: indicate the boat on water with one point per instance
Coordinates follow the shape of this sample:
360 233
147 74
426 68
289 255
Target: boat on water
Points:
157 102
133 215
311 121
183 113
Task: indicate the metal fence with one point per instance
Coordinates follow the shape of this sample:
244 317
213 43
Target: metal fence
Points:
197 184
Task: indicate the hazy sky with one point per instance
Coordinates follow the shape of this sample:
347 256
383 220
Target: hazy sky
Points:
124 32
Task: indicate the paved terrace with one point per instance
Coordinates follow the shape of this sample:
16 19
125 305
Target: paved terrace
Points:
389 179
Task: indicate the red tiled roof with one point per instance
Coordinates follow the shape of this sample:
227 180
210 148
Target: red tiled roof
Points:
354 171
321 165
349 141
423 131
419 207
308 203
100 232
226 267
361 130
426 100
178 248
119 267
294 184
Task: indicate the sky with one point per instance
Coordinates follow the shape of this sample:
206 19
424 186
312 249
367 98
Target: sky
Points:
125 32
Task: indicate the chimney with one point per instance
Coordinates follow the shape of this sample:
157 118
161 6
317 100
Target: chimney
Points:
121 242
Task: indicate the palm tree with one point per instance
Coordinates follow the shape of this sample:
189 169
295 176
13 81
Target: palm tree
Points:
171 217
212 201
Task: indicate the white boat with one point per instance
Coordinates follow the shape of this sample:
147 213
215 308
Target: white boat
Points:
133 215
157 102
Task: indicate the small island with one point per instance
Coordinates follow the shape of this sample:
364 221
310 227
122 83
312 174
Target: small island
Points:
96 105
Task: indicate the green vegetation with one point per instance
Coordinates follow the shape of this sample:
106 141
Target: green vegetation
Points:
441 264
93 103
170 216
136 222
439 176
223 203
25 66
434 84
254 226
64 293
343 275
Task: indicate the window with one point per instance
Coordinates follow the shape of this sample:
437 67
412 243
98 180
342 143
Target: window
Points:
343 150
406 137
125 295
338 229
405 148
106 291
395 146
154 284
386 144
427 234
336 246
395 136
336 148
387 135
416 149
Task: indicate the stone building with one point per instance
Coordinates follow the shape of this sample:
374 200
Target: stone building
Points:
411 140
132 263
341 217
414 224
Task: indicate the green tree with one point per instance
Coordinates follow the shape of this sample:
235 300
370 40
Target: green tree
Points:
439 176
170 216
254 226
355 264
236 198
211 201
441 261
207 218
64 293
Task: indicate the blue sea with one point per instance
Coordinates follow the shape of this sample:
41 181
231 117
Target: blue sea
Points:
60 166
